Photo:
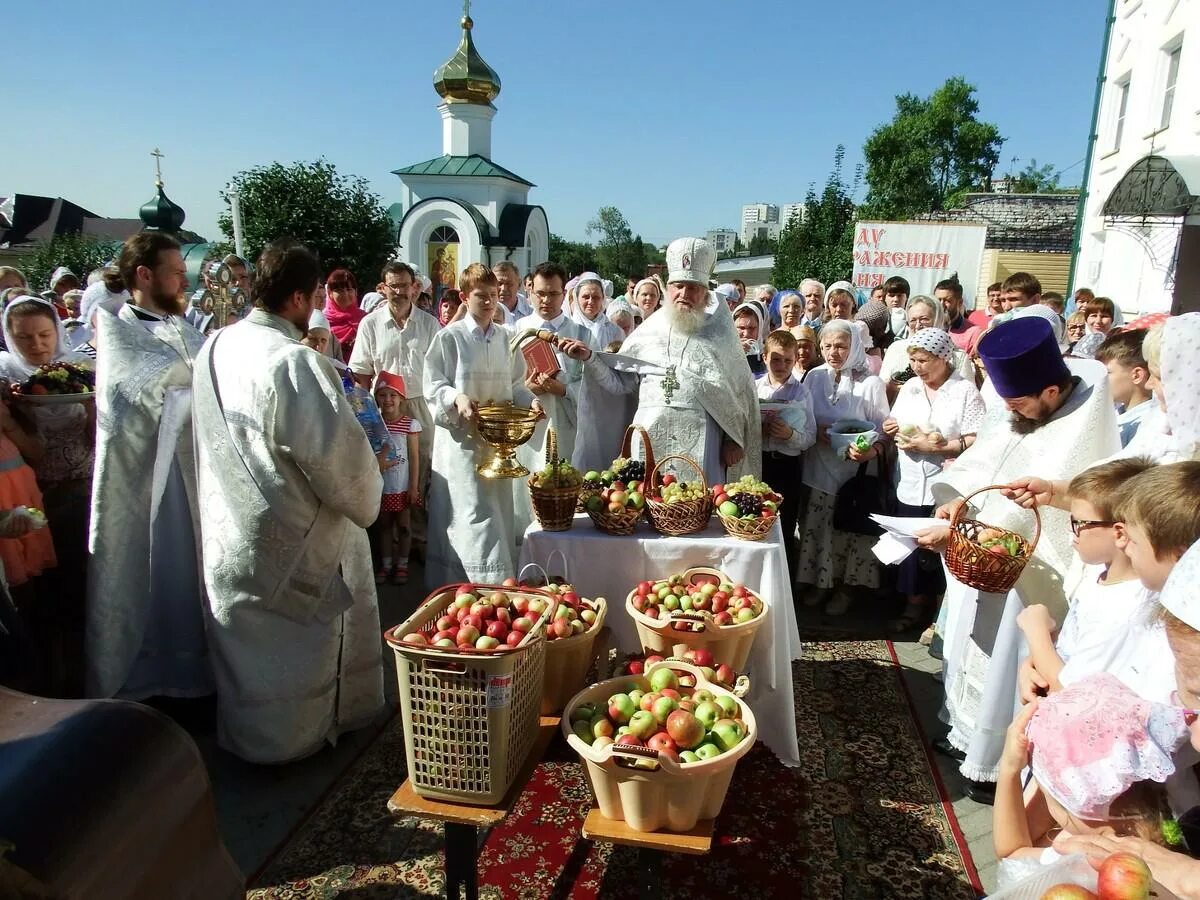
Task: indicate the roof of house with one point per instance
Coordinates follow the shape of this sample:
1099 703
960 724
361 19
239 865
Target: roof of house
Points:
1042 223
735 264
473 166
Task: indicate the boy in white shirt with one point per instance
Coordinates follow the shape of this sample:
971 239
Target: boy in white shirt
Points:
1128 380
1109 626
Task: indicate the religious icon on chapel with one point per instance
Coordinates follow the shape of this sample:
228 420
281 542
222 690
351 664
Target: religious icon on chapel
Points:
442 256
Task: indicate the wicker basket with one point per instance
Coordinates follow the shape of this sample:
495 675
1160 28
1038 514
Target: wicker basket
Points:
978 568
747 529
470 716
624 521
554 507
681 517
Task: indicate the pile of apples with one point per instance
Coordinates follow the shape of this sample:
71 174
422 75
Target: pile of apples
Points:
616 497
730 604
686 726
701 657
1123 876
478 621
573 614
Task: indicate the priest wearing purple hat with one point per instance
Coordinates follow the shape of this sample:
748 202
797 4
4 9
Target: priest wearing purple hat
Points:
1056 418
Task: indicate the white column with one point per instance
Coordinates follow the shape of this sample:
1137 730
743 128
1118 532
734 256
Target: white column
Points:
467 129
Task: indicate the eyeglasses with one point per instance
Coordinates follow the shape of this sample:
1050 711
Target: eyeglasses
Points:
547 295
1078 525
920 320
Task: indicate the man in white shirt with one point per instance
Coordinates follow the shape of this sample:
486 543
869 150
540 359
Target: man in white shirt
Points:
515 304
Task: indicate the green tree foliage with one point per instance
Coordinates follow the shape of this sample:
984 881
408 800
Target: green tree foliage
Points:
821 244
762 245
78 252
576 257
619 253
335 215
1035 179
933 150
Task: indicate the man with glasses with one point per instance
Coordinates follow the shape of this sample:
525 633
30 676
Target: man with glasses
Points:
964 334
395 338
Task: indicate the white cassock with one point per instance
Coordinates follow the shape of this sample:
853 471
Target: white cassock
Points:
692 389
982 640
289 483
561 412
601 331
145 609
472 530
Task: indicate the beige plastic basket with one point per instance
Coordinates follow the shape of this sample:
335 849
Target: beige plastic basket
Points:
470 716
568 661
643 789
682 631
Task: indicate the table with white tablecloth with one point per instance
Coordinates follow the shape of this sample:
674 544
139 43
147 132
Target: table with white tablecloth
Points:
610 566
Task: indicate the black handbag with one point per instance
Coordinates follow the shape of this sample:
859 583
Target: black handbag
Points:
863 495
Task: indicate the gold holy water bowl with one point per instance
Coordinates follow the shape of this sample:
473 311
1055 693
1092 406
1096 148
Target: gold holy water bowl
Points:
505 428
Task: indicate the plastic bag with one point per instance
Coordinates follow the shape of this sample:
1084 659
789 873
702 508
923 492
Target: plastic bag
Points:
370 418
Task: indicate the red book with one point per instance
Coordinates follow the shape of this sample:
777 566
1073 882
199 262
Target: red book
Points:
540 357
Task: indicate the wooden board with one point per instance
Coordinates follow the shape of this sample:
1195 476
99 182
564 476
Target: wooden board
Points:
405 801
697 842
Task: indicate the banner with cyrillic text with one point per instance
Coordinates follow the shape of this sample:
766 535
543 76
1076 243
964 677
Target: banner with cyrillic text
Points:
923 253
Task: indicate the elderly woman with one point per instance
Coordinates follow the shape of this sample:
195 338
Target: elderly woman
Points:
813 293
842 388
922 312
646 297
590 303
749 320
620 313
791 309
935 418
1076 329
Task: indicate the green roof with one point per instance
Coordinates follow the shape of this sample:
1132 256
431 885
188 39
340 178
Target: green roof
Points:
473 166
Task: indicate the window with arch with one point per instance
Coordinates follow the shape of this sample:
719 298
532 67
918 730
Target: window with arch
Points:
443 234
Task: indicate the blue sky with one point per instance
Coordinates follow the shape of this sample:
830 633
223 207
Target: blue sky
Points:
675 112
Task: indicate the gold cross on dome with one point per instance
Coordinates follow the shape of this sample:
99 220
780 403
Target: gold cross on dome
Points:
158 158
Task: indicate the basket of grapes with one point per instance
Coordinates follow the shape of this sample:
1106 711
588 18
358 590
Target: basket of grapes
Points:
57 382
614 498
747 508
554 490
678 507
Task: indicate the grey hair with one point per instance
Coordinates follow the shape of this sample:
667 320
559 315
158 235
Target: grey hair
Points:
935 307
765 287
807 281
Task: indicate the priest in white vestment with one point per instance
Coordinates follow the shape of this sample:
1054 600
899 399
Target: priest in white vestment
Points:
1061 421
145 610
696 395
289 483
472 526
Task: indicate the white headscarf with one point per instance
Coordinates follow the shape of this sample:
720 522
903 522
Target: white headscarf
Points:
1044 312
855 365
1179 596
98 296
370 300
757 310
578 314
1180 377
318 320
15 367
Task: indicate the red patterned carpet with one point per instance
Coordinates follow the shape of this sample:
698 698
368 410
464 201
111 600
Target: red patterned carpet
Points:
861 818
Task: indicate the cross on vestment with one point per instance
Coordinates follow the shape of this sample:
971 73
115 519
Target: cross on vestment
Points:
670 384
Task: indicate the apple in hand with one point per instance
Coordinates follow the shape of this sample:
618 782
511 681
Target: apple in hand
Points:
1124 876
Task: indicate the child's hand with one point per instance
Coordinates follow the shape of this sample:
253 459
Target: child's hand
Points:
1036 619
1016 744
17 522
384 462
1031 683
415 498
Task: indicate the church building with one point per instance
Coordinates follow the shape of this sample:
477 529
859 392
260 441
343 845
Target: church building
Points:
461 207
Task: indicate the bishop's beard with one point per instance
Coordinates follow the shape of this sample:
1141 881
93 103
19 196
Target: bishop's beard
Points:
688 321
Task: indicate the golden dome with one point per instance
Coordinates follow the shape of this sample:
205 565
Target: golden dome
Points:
465 77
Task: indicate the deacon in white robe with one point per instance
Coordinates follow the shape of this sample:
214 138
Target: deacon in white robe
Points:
289 483
472 528
696 395
145 611
1073 430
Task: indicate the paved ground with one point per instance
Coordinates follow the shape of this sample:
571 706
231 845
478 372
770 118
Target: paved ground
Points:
259 806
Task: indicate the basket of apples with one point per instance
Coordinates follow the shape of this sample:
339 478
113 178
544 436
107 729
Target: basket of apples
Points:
471 654
658 754
615 498
678 507
721 674
570 642
987 558
699 608
747 508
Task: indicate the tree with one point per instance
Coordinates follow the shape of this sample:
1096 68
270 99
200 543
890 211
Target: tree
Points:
1035 179
820 245
618 252
78 252
335 215
762 245
576 257
932 151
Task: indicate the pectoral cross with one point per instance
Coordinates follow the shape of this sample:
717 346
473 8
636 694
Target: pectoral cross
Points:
670 384
158 157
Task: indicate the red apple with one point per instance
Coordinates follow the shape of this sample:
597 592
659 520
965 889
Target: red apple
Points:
723 618
701 656
510 582
672 693
560 628
415 637
651 612
473 620
483 609
685 729
1124 876
445 633
467 634
631 740
652 659
514 637
522 624
520 605
725 674
648 700
663 744
464 589
446 622
503 615
497 630
636 667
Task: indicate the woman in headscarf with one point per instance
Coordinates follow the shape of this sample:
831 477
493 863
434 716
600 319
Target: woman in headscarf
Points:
842 388
922 312
341 308
877 319
621 314
647 297
935 418
748 320
590 304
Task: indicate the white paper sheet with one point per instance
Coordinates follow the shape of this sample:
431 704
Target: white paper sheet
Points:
899 536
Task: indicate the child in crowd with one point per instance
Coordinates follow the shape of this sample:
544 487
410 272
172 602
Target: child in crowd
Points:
806 351
401 482
1109 625
31 553
788 429
1128 380
1055 301
1099 755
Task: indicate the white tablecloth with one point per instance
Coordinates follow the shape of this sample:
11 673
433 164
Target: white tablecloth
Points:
604 565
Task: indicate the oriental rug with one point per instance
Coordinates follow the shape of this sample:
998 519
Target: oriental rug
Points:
862 818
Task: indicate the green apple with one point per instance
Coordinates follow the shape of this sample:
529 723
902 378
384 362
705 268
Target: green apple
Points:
728 733
591 475
620 708
583 730
688 756
584 712
664 678
708 713
636 500
708 750
602 727
662 708
701 695
602 741
685 603
670 602
636 696
643 724
594 503
728 508
729 706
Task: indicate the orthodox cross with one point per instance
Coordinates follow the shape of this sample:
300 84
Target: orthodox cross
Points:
158 157
670 384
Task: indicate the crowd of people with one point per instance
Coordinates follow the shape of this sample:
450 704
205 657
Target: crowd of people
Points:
208 514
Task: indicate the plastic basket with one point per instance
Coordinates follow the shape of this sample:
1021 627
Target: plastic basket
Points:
625 520
647 791
568 661
470 716
682 631
554 507
681 517
978 568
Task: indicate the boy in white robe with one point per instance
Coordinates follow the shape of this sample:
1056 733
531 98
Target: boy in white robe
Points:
472 529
